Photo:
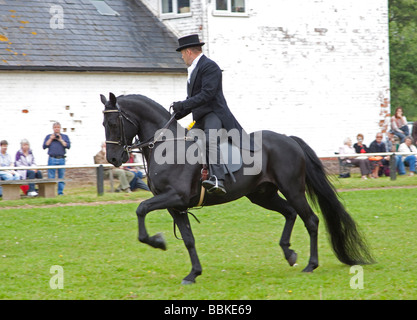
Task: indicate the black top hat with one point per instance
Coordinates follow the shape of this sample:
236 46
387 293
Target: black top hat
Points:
189 41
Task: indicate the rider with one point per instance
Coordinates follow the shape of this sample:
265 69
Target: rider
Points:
206 102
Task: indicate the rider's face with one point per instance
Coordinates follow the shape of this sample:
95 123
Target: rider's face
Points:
186 56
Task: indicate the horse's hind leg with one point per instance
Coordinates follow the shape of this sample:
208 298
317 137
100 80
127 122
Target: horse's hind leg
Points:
183 223
272 201
311 222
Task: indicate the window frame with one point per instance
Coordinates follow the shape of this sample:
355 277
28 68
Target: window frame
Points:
173 14
228 12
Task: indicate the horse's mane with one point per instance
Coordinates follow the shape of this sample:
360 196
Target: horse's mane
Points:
140 99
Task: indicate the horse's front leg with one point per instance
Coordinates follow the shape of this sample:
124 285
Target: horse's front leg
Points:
161 201
183 223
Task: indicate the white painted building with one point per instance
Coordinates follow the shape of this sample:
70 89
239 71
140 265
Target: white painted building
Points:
58 56
73 99
317 69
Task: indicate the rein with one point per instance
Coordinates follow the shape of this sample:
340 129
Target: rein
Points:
151 143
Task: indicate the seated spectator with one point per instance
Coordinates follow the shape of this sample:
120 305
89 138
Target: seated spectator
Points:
25 158
6 161
399 124
390 142
378 162
136 183
124 176
359 146
363 164
407 146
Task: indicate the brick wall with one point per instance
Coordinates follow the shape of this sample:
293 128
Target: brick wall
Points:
88 175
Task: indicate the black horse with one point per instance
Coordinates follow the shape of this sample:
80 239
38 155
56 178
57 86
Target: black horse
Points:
288 165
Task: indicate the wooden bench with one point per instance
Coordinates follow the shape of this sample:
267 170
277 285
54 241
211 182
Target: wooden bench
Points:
47 187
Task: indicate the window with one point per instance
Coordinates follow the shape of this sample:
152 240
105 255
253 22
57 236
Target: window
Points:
103 8
174 8
230 7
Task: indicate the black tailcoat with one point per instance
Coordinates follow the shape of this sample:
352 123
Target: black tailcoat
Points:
205 94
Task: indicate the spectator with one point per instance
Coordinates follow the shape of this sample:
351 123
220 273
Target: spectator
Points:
378 162
390 142
6 161
407 146
124 176
363 164
57 143
137 182
399 124
359 146
414 133
25 158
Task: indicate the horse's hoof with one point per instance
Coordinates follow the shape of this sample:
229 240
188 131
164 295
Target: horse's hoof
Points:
187 282
292 259
158 241
309 268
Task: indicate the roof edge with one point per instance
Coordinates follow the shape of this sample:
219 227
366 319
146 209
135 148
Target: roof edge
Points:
93 69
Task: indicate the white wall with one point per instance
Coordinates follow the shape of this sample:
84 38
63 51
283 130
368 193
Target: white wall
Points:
315 69
318 69
46 96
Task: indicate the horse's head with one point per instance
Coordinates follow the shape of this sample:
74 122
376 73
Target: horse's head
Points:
119 132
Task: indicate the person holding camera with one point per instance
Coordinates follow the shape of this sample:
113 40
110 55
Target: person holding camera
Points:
57 143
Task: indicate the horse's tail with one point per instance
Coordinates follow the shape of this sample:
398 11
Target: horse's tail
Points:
348 244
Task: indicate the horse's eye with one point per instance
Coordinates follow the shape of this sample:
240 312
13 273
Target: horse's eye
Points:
112 124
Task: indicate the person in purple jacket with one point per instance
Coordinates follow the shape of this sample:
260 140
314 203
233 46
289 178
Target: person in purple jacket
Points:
57 143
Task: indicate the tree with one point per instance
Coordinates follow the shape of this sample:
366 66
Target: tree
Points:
403 55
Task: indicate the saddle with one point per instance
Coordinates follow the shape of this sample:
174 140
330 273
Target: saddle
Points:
230 156
233 163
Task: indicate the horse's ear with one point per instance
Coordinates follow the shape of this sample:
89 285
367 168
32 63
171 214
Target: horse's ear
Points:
103 99
113 99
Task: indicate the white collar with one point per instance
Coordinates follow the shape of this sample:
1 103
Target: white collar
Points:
193 65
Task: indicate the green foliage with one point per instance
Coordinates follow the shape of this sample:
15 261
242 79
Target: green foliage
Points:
403 52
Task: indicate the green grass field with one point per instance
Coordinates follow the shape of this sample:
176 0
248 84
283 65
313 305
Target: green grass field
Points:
96 246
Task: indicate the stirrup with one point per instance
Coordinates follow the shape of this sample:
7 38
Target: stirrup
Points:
216 188
217 182
210 181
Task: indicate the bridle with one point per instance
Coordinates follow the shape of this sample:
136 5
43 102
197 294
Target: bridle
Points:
150 143
123 141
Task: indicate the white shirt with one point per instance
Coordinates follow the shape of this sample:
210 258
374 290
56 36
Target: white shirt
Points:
346 150
193 65
404 148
